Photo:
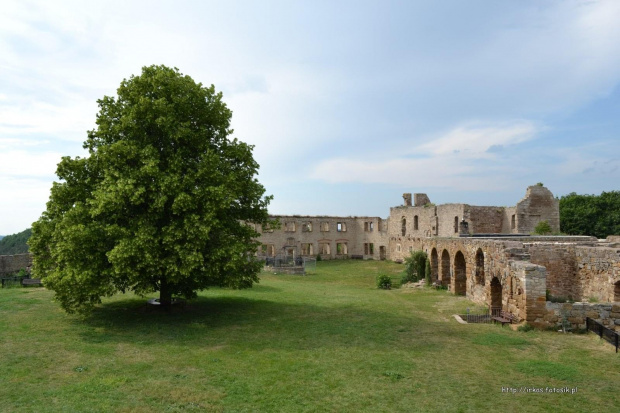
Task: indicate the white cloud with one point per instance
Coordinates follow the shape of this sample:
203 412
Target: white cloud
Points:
458 160
22 163
475 140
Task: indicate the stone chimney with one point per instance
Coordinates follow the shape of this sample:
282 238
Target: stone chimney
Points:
407 198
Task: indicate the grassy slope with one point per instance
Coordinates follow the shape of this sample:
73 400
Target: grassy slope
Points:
326 342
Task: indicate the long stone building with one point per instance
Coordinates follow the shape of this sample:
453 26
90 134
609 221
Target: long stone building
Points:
486 253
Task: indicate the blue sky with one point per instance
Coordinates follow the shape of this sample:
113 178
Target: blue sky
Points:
349 103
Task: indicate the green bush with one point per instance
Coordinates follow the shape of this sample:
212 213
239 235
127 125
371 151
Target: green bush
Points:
415 265
542 228
384 282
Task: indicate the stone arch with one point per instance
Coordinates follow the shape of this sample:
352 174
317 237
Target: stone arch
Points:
445 268
617 291
434 265
496 296
479 267
460 274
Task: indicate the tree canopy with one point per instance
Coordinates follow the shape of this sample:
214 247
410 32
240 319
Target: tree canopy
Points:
16 243
161 202
595 215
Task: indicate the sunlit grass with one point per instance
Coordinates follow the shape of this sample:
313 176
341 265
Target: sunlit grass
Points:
325 342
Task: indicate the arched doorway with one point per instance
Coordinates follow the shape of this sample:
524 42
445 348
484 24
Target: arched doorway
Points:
434 265
445 268
479 267
496 296
460 274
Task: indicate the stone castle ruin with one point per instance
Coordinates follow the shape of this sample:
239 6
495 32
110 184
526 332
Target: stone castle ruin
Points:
482 252
485 253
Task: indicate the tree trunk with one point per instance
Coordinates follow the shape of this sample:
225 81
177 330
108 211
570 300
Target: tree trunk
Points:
165 295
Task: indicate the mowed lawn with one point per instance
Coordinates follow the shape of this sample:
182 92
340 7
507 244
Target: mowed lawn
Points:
330 341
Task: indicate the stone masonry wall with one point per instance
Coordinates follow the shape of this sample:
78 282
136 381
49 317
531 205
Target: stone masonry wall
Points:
485 220
559 260
607 314
10 264
299 232
598 270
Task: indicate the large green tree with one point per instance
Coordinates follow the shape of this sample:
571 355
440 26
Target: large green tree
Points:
597 215
160 203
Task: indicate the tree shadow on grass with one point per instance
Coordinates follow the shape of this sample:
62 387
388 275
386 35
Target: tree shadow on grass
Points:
247 323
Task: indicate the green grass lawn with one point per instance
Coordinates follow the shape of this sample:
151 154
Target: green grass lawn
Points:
330 341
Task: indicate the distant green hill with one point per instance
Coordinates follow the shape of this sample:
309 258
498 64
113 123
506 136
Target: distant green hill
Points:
16 243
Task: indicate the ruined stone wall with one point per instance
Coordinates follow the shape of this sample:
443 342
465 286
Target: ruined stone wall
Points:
298 233
10 264
559 260
537 205
485 220
575 313
509 220
578 272
447 215
598 270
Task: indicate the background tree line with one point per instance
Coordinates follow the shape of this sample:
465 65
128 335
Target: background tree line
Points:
595 215
16 243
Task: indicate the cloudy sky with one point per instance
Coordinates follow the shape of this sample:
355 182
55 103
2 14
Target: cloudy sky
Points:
349 103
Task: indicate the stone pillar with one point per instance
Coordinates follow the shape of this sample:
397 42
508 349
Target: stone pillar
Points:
407 199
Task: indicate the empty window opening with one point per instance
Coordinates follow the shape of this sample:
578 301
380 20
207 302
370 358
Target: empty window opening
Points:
268 250
306 227
617 291
267 228
324 248
513 222
324 226
415 223
368 226
307 249
341 227
369 249
398 247
479 267
289 227
456 224
341 248
404 226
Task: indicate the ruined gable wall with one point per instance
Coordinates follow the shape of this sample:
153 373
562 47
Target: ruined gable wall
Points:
537 205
